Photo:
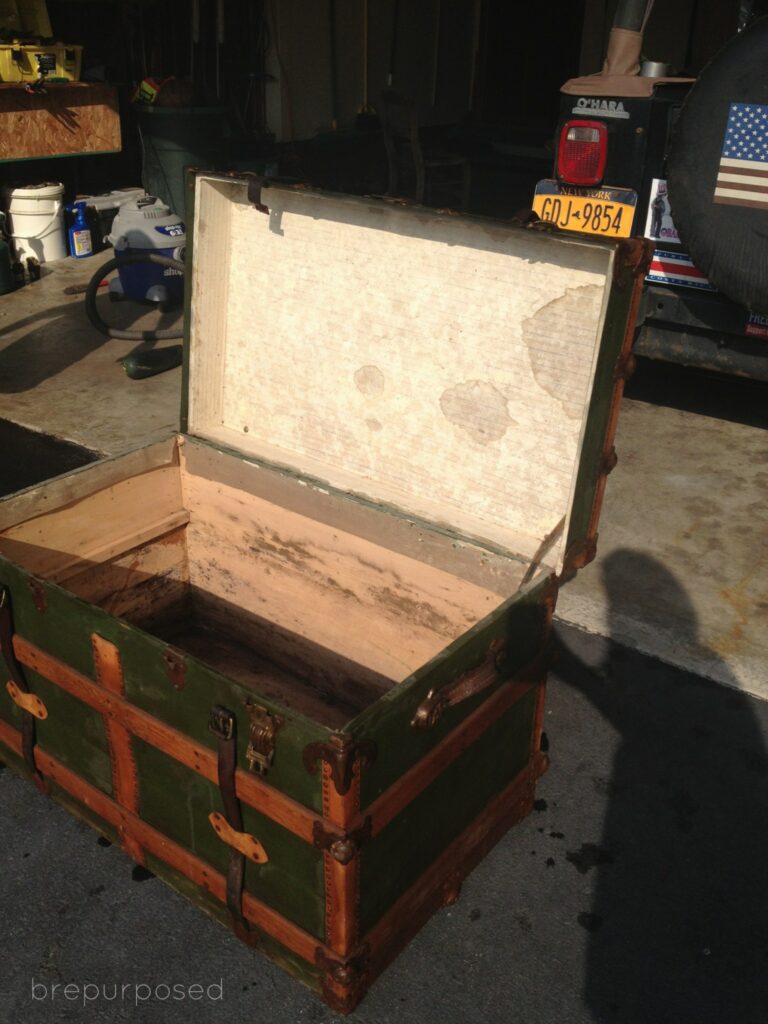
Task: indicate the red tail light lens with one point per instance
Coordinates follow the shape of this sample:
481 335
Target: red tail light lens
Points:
582 152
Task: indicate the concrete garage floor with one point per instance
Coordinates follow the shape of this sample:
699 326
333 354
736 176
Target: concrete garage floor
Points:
683 546
680 572
60 376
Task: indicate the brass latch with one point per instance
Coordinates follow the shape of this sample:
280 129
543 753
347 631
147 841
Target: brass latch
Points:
244 843
27 701
261 740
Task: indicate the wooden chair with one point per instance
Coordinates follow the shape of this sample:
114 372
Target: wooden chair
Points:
416 170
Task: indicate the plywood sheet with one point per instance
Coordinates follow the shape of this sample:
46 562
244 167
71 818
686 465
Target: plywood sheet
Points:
436 363
66 120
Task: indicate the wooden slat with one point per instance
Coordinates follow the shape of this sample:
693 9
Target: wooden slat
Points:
125 781
52 543
80 483
143 585
387 611
67 120
154 842
342 895
342 881
118 546
208 310
405 536
252 791
618 392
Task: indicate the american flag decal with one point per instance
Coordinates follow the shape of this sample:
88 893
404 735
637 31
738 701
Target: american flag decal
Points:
742 178
676 268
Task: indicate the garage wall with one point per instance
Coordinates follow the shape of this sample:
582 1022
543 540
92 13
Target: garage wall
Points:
433 60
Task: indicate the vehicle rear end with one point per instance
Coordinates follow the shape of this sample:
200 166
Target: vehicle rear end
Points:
613 140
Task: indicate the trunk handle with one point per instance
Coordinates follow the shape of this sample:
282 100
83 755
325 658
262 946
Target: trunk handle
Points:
477 679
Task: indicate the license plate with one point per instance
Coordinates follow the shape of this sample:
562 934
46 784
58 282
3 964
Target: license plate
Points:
608 212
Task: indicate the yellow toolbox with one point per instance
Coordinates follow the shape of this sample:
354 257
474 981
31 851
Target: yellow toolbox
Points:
26 62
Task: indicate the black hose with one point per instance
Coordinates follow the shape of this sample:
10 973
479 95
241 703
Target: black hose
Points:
93 286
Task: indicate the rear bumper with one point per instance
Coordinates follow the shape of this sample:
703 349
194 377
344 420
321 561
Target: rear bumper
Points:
702 329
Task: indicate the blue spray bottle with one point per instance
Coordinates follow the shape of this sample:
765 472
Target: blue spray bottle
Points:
80 244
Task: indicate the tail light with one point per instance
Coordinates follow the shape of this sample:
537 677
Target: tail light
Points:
582 152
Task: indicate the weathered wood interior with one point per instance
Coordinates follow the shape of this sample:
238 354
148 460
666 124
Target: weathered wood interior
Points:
314 600
436 363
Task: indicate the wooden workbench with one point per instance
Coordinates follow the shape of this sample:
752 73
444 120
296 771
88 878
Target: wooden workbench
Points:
69 119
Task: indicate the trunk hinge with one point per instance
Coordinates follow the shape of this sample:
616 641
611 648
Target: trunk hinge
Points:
255 184
625 367
176 667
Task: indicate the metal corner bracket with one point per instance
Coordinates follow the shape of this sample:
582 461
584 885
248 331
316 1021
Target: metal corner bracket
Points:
341 754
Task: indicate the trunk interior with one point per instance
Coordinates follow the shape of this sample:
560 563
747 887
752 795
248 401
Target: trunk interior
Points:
315 601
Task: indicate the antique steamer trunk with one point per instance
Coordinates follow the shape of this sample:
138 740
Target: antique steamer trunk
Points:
293 659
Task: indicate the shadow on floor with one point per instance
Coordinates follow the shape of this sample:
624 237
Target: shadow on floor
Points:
62 335
29 457
700 391
678 926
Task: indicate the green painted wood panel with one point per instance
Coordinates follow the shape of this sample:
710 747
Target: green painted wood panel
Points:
306 973
73 733
520 620
396 858
64 630
177 802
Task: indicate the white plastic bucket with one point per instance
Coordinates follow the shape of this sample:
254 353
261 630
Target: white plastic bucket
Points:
36 221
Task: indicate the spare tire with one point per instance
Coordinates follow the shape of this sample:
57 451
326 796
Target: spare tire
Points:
725 116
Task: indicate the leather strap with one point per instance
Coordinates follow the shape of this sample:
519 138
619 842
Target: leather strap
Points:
28 737
223 725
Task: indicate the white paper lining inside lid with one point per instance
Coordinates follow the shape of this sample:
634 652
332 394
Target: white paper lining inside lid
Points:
435 363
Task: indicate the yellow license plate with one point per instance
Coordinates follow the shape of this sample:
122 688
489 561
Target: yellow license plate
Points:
608 212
